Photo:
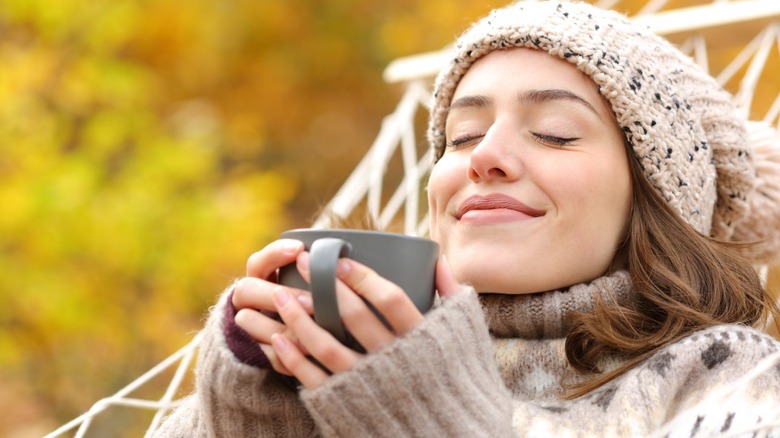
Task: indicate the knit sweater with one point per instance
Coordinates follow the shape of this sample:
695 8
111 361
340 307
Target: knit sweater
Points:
493 366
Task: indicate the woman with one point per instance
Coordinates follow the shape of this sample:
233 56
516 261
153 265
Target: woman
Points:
582 166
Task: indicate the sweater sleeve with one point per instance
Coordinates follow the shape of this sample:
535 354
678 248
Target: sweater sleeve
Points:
440 379
232 398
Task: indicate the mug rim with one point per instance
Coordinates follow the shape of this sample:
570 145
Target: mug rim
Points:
356 231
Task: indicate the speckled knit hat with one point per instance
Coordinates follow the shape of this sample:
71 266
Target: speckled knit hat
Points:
691 143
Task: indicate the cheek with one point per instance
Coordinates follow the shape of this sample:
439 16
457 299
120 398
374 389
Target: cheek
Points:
594 201
434 193
601 183
443 184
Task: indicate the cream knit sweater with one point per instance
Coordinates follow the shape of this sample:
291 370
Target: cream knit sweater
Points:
492 367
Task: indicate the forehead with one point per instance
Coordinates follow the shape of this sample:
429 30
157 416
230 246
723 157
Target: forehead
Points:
520 69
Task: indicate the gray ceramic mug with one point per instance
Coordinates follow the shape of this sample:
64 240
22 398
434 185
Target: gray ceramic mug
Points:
409 262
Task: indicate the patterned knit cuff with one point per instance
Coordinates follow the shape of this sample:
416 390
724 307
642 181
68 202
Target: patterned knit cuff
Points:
243 346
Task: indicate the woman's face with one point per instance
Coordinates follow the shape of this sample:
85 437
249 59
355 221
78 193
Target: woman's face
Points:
533 191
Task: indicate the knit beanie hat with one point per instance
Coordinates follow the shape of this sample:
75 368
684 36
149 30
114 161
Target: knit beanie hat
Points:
692 145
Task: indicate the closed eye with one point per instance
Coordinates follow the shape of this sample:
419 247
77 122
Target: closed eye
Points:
553 140
468 140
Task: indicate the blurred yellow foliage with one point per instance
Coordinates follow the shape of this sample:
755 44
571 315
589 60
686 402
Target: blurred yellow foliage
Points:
148 147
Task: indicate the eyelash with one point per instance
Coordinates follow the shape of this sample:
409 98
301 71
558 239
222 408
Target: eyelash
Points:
454 143
549 139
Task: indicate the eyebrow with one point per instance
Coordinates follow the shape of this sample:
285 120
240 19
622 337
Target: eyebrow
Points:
526 97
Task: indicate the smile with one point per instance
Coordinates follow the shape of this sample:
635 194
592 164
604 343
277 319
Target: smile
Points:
494 208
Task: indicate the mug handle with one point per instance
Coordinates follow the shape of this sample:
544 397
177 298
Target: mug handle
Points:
324 254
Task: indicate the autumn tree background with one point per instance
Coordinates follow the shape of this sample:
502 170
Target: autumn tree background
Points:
148 147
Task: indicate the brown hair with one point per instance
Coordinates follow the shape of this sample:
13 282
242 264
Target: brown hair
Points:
682 282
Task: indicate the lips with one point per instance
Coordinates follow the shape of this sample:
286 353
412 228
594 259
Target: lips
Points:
496 201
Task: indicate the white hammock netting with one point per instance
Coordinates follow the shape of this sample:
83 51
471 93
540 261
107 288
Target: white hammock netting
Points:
737 41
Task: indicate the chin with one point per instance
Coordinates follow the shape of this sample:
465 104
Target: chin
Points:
494 279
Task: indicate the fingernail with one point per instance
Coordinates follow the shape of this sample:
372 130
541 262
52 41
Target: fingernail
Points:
303 262
281 297
306 301
292 246
343 267
280 344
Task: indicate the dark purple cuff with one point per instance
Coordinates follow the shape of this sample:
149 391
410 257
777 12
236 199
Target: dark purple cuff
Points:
243 346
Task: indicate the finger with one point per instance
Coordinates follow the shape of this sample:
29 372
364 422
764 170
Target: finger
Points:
298 365
264 263
446 283
320 344
389 299
254 293
276 363
358 318
260 327
361 322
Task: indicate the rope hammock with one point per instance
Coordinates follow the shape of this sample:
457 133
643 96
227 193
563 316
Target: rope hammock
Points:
750 73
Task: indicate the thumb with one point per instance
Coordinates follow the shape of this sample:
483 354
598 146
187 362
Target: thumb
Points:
446 283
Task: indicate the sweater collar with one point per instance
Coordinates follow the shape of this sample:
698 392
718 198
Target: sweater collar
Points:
543 315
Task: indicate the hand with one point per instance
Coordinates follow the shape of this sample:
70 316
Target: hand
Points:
355 281
253 296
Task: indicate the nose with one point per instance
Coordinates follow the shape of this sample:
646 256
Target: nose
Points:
495 158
